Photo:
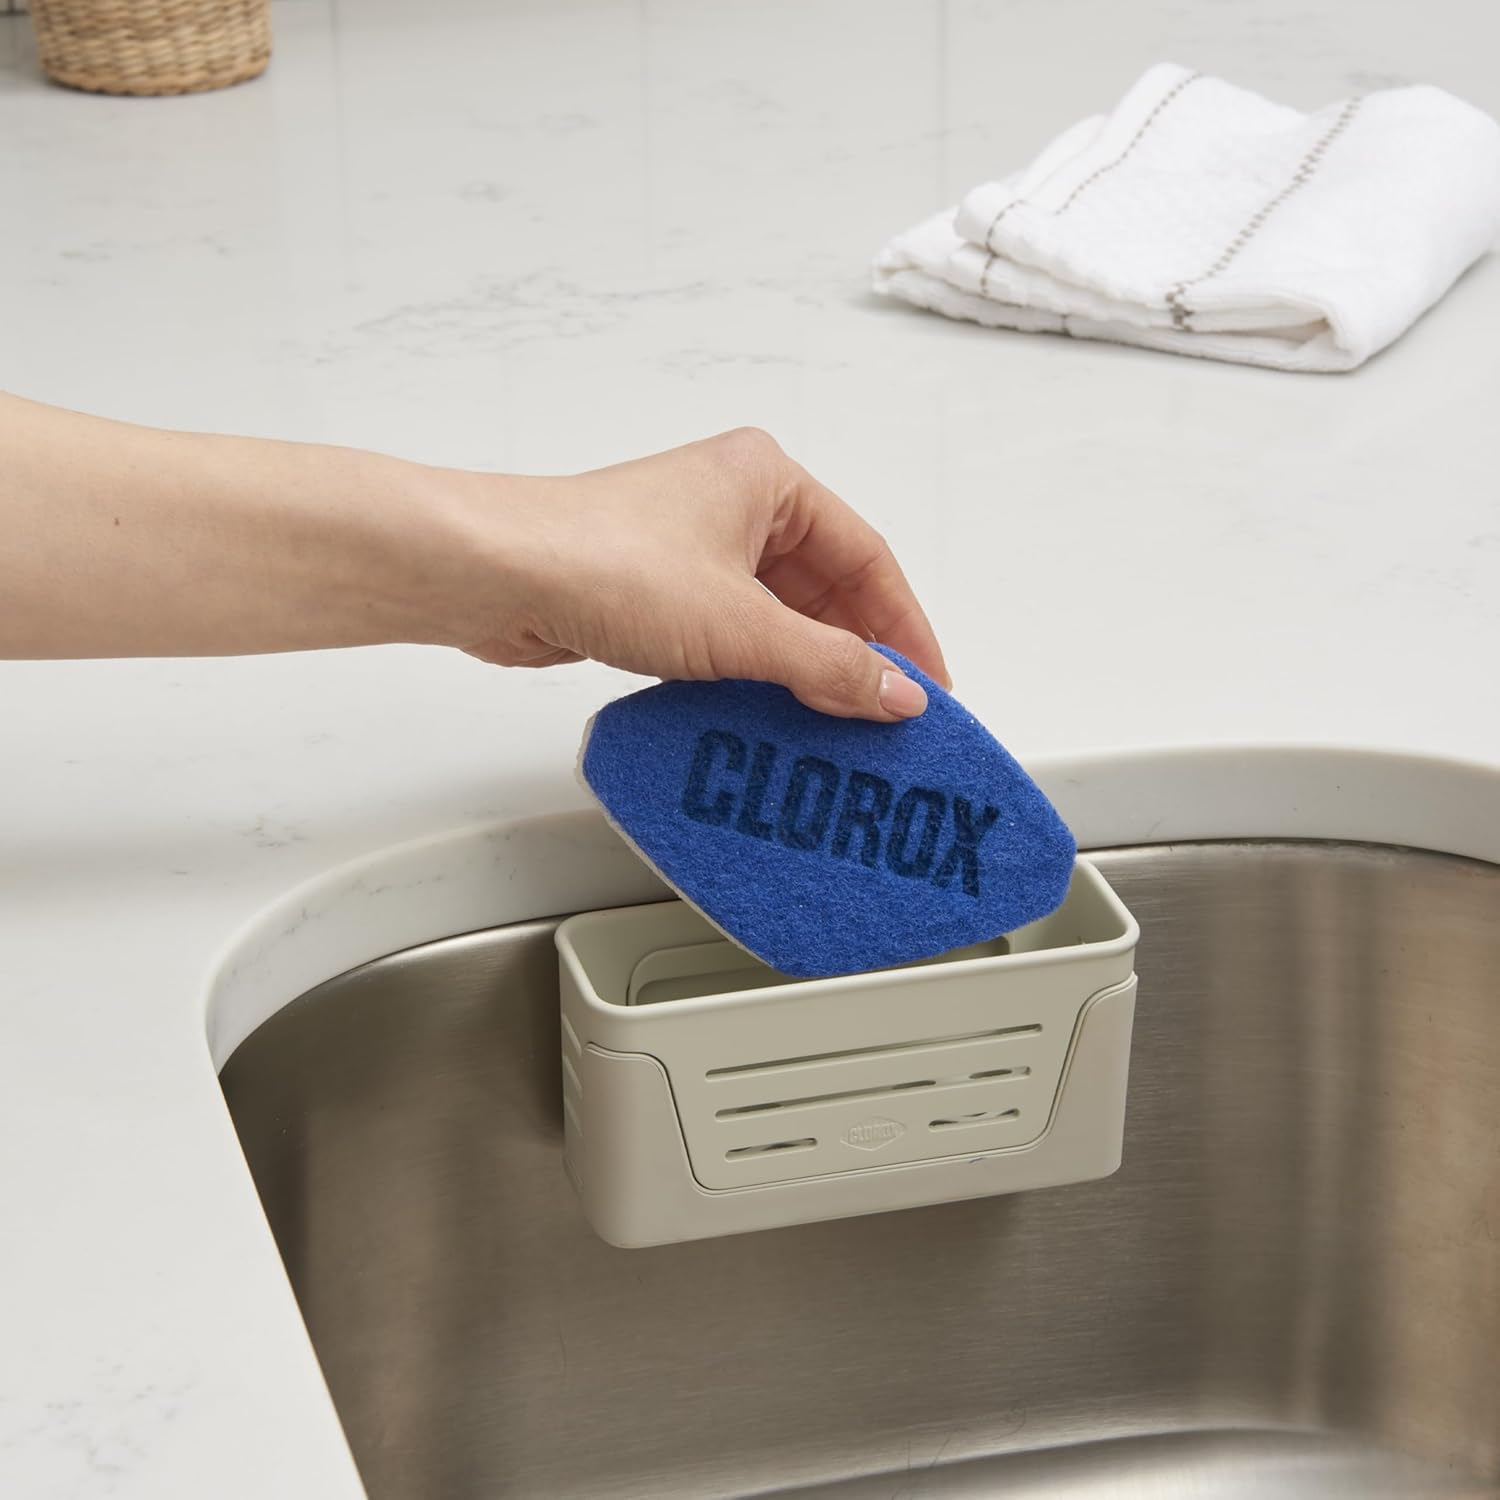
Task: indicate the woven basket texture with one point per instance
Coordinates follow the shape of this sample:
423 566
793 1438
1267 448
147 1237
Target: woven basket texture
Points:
152 46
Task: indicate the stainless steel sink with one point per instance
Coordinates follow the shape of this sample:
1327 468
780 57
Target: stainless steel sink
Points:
1291 1287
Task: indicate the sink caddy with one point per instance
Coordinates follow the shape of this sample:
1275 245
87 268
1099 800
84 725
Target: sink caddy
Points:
706 1094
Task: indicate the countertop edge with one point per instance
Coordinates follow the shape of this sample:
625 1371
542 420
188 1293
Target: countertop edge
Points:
549 864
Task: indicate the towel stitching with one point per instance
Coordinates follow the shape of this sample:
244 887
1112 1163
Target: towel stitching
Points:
1306 168
1135 141
1089 181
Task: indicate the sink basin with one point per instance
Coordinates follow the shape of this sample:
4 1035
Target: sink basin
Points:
1290 1288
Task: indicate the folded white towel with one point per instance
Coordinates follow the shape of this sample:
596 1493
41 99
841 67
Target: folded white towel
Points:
1202 219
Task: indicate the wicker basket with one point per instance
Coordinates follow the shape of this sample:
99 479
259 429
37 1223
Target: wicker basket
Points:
152 46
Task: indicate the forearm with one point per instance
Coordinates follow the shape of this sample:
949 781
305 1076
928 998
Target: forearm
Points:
127 541
722 558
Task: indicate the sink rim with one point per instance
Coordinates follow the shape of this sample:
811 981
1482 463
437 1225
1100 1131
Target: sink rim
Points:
550 864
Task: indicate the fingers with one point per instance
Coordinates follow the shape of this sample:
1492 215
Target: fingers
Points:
827 537
722 559
827 668
801 587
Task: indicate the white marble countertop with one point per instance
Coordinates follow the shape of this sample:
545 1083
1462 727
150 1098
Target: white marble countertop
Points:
1197 600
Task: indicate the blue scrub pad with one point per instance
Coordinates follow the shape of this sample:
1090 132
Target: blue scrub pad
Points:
823 845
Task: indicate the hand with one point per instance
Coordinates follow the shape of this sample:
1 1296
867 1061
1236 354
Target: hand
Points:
723 558
720 559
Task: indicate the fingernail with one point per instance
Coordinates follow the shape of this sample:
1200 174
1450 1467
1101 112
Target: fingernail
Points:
901 696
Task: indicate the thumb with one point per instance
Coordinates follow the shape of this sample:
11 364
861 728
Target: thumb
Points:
828 669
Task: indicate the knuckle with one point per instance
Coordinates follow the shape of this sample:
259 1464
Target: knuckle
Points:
847 668
750 447
738 609
731 642
873 566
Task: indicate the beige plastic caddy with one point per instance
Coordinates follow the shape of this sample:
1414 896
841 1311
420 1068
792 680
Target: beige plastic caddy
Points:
706 1094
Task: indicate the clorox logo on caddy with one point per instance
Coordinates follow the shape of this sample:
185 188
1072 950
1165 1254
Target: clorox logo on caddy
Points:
872 1134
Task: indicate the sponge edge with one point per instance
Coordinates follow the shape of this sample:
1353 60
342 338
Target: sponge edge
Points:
828 846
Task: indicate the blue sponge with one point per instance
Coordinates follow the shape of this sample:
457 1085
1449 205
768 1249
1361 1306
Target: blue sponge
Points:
823 845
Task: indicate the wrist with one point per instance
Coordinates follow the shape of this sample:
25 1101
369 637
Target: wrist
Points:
484 555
